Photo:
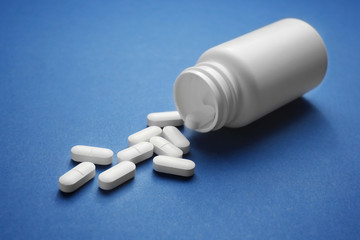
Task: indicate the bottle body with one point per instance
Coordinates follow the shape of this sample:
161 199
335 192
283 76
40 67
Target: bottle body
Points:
239 81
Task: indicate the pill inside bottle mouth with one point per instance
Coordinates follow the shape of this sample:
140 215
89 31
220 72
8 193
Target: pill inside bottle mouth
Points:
201 118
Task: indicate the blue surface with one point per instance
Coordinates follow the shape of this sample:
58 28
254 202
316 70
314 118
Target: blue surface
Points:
82 72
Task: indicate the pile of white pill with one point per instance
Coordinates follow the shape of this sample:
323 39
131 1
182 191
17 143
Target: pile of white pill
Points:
168 143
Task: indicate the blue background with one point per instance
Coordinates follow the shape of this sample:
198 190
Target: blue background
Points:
84 72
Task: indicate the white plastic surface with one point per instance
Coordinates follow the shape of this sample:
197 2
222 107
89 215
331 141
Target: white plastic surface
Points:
199 119
239 81
164 147
162 119
76 177
100 156
175 166
173 135
144 135
117 175
136 153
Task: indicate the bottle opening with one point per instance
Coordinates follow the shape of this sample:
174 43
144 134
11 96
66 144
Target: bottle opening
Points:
196 99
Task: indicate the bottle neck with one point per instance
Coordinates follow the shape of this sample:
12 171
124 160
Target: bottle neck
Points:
205 96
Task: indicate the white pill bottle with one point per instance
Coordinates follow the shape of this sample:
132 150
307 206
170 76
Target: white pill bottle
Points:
239 81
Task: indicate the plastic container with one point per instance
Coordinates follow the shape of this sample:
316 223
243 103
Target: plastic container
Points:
239 81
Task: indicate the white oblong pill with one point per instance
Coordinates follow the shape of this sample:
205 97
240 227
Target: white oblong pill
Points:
76 177
144 135
175 166
173 135
117 175
162 119
198 120
164 147
100 156
136 153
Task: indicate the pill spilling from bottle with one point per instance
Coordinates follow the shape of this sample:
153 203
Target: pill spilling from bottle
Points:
168 143
279 63
173 135
200 118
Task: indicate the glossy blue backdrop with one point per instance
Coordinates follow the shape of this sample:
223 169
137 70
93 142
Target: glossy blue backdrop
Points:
87 72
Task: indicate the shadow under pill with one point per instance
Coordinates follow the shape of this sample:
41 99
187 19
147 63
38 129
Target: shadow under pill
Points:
73 163
75 194
121 188
173 177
